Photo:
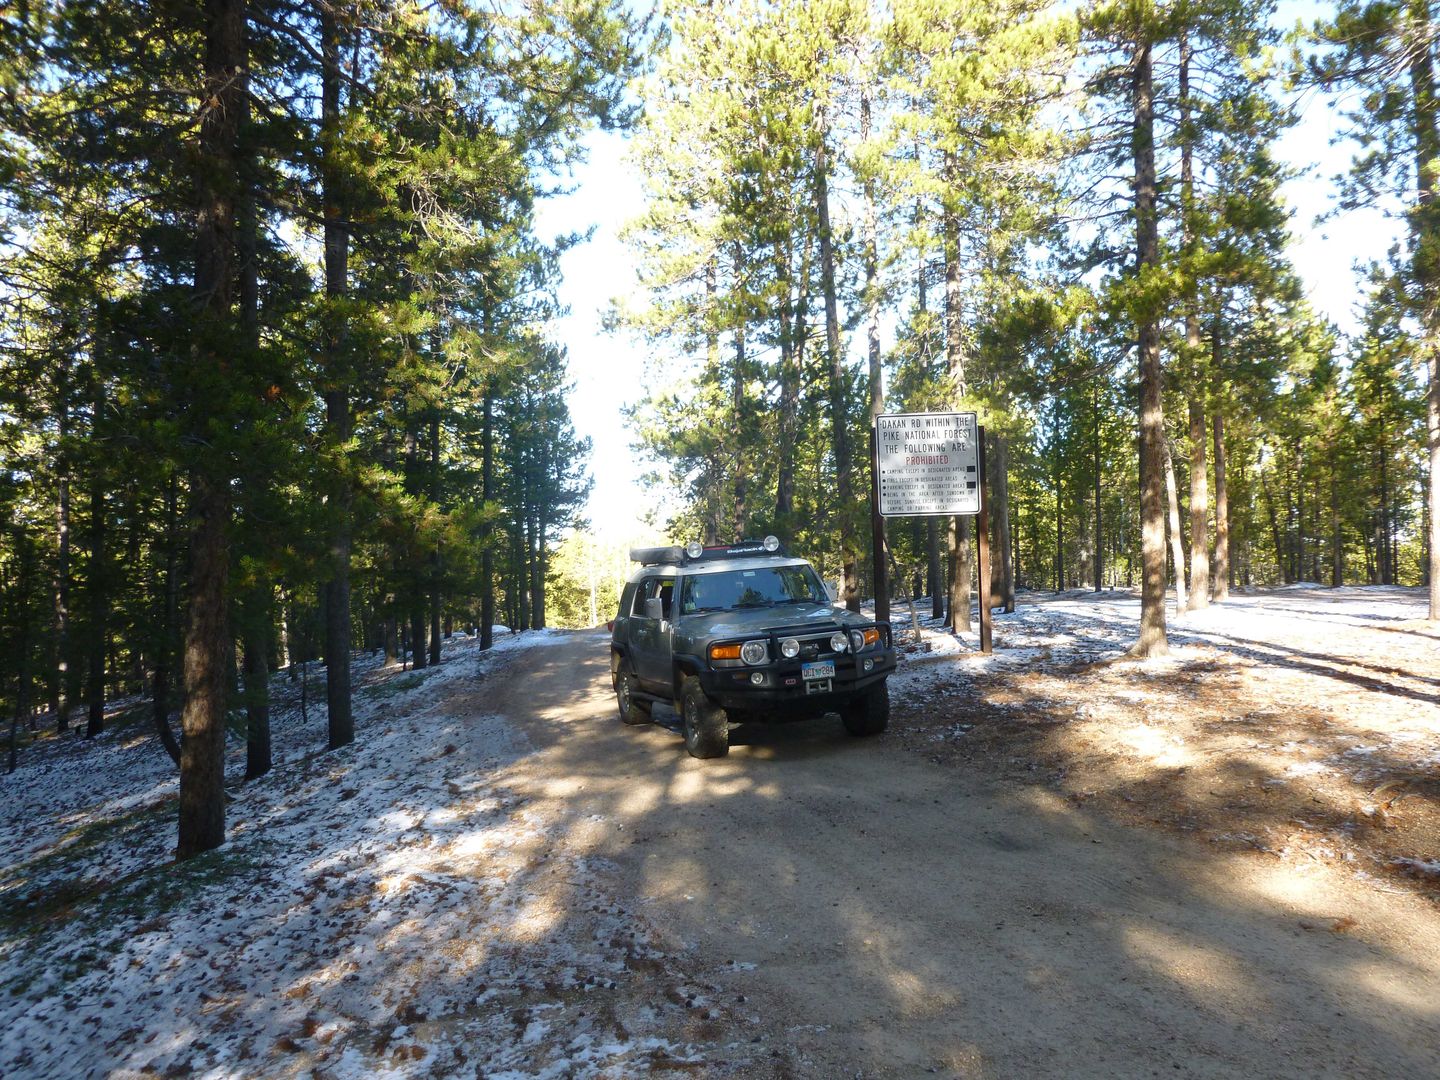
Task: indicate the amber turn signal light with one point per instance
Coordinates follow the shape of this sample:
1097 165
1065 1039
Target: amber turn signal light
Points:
724 652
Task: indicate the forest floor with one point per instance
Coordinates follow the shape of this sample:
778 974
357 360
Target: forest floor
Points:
1058 862
1302 723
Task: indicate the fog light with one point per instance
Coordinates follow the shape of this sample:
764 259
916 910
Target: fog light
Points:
757 678
869 664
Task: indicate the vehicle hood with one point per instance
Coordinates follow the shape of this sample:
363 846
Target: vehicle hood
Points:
761 620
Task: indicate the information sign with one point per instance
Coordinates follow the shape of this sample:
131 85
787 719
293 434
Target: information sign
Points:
927 464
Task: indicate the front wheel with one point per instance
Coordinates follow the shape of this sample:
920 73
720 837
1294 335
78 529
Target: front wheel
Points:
632 710
707 728
868 713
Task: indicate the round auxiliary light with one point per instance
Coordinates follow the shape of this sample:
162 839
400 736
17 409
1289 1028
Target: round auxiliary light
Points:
694 549
772 543
753 652
857 640
839 642
789 648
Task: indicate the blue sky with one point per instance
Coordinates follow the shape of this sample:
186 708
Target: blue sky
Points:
609 370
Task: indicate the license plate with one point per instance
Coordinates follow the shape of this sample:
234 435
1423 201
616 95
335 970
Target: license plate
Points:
821 669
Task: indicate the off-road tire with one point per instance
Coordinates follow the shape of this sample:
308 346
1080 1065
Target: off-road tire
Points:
707 728
632 709
869 713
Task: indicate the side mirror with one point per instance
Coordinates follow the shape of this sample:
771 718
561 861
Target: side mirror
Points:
655 609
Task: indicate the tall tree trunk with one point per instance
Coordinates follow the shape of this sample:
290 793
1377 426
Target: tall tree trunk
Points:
168 618
739 405
1095 453
956 364
341 724
792 357
99 601
1337 551
1059 524
207 636
1003 562
959 601
62 554
1199 495
933 583
1425 222
1199 508
487 494
1152 640
872 277
1275 535
1177 550
1222 513
839 419
1387 569
21 622
259 598
436 557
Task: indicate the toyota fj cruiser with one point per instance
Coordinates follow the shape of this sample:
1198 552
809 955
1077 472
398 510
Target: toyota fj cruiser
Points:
743 633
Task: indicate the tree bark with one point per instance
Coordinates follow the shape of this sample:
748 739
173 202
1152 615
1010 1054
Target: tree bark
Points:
956 364
1002 561
62 555
487 494
839 405
99 601
165 647
1426 225
1177 549
1152 640
1222 513
1199 509
207 636
739 378
341 722
932 567
1095 453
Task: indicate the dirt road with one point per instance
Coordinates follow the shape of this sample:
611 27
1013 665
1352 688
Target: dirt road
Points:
848 908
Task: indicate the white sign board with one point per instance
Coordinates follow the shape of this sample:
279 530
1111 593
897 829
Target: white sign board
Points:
927 464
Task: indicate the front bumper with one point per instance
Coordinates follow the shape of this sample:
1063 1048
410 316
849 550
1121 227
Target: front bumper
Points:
783 689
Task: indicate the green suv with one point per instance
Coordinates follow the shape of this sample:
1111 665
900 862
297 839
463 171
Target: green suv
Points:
743 633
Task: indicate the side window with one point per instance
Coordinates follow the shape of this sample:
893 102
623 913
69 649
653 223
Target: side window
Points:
627 599
642 590
666 592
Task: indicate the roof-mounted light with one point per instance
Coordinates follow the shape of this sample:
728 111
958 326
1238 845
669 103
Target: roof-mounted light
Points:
772 543
694 549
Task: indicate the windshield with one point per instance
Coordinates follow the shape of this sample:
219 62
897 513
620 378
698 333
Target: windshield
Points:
763 587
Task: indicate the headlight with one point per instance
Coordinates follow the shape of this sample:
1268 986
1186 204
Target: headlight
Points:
839 642
860 639
753 652
789 648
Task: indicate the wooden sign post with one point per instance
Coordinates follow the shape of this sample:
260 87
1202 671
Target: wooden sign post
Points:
982 541
929 465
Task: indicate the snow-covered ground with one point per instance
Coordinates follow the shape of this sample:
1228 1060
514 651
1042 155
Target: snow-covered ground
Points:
1302 722
373 910
397 907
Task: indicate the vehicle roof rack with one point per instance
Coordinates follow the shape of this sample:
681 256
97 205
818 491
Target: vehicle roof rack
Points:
675 555
741 549
658 556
